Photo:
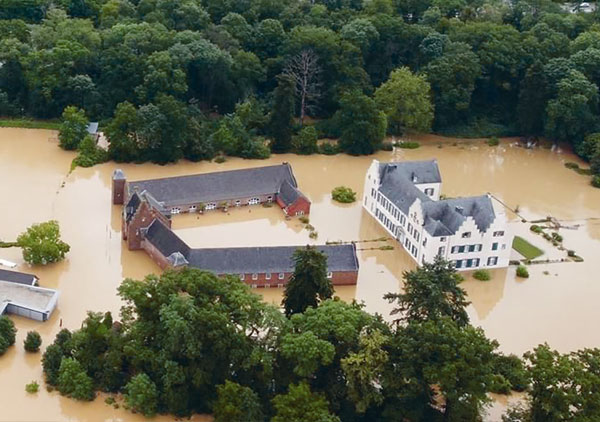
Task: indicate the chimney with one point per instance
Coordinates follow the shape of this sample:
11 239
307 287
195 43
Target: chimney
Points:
414 177
118 187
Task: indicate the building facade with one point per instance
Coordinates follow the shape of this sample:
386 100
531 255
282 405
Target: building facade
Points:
149 206
404 197
224 189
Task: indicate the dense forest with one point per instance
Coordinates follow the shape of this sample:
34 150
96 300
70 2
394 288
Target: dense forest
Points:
192 342
197 78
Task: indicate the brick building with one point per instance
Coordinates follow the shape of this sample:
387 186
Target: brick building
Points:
221 189
150 205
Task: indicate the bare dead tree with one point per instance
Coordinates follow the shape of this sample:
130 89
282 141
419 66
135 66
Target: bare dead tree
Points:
305 71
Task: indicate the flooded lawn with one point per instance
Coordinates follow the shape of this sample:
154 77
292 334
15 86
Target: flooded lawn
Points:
555 304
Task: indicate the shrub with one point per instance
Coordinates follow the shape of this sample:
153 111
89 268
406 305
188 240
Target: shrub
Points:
219 159
500 385
512 370
305 143
571 253
32 387
557 237
408 144
89 154
596 181
387 146
328 148
482 275
493 141
33 341
343 194
536 229
571 165
142 395
304 219
313 235
522 271
73 381
8 333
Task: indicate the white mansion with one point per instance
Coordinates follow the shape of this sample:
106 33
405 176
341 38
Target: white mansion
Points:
404 197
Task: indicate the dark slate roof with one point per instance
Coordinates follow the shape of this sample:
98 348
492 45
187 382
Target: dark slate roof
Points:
165 240
441 218
217 186
273 259
17 277
452 213
132 206
424 171
288 193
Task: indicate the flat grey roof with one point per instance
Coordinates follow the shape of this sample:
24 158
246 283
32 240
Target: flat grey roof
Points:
18 277
35 298
217 186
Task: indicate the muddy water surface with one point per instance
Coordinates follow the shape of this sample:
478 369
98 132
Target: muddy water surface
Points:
555 304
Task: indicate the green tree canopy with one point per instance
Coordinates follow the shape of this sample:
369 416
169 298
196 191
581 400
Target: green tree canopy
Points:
405 98
300 405
309 283
41 244
431 292
361 125
73 128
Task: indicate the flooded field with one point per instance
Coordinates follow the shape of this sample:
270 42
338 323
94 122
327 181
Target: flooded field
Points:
555 304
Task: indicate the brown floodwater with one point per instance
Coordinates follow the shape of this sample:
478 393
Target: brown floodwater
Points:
556 304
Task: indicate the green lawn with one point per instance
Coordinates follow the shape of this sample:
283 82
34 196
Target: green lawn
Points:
30 124
525 248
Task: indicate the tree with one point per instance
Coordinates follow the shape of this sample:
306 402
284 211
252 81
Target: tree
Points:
405 99
533 97
73 381
457 360
362 125
309 283
41 244
364 370
281 121
304 70
51 360
120 131
572 113
305 143
431 292
300 405
33 341
452 77
236 403
73 128
142 395
8 333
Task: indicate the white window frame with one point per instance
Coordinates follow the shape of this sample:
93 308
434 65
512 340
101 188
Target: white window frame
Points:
254 201
242 276
267 276
254 276
211 206
281 276
329 274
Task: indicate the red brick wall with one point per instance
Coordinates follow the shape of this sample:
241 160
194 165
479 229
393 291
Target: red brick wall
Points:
118 191
155 254
340 278
141 219
300 205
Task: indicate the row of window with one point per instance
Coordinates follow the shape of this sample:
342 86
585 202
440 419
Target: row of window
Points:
467 248
412 249
281 276
213 205
254 286
385 221
474 262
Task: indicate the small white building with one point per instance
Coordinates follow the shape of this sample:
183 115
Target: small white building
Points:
404 197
